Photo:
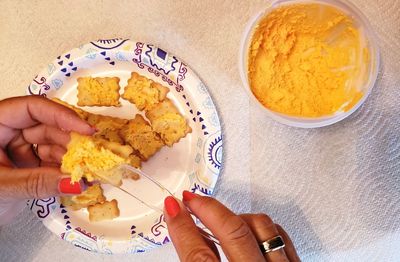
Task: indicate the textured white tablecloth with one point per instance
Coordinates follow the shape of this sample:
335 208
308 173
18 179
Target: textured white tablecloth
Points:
336 189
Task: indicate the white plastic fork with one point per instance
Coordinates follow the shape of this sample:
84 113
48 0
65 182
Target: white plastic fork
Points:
124 168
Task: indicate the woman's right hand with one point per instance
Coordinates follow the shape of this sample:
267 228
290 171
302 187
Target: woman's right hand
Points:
239 235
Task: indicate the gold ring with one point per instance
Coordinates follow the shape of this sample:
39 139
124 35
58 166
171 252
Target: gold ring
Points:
272 244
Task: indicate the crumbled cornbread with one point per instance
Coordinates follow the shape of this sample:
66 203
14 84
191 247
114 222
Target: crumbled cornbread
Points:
135 161
85 157
144 92
139 134
104 211
98 91
168 122
91 196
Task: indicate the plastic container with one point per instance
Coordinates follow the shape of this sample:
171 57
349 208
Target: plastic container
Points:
303 122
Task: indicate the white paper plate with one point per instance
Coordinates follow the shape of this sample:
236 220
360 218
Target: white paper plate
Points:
192 164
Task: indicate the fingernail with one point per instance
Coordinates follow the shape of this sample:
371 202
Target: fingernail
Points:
187 196
66 187
172 206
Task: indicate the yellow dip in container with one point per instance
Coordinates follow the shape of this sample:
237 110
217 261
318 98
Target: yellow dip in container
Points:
310 63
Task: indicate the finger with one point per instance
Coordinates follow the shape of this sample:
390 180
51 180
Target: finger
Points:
4 160
235 236
51 153
41 182
185 236
210 243
21 153
7 134
32 110
44 134
49 164
289 247
264 229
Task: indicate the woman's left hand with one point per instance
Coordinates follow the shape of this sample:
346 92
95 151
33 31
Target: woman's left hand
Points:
29 120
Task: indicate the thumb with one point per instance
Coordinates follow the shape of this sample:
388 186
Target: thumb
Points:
40 182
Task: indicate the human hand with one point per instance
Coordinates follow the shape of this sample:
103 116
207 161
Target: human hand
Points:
29 120
239 235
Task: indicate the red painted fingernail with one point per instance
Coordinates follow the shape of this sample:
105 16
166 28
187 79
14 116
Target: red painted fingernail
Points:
65 186
187 196
172 206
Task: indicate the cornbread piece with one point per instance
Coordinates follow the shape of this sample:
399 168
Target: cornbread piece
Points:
131 175
105 211
135 161
123 151
168 122
85 156
144 92
91 196
139 134
111 176
68 202
81 113
108 127
98 91
114 176
106 121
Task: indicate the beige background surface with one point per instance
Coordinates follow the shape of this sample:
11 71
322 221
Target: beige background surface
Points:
336 190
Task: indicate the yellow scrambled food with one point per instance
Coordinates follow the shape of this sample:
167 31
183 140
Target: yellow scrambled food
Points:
307 60
85 157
